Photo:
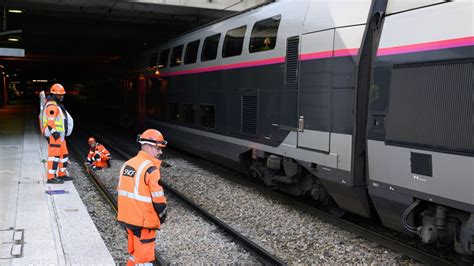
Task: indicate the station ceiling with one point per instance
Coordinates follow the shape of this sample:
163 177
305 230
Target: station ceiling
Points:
83 33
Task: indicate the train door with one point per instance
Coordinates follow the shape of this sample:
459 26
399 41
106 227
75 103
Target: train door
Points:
314 97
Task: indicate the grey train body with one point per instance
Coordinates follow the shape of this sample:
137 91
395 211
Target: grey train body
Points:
357 103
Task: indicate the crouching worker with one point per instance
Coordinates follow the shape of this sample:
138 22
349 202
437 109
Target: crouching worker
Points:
141 201
99 156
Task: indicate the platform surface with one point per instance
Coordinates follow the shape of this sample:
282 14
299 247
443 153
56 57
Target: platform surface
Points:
37 228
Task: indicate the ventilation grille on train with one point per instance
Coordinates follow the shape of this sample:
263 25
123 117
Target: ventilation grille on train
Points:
291 61
249 114
431 105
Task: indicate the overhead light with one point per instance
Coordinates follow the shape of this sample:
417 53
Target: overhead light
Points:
13 39
18 11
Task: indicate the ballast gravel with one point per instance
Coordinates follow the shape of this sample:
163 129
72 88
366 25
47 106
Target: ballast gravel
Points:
186 237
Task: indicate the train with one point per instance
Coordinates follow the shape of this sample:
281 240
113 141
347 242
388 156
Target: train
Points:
366 106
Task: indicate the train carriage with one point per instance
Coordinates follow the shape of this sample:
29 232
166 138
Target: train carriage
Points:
365 105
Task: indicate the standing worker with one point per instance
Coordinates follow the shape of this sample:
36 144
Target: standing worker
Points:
56 124
141 201
99 156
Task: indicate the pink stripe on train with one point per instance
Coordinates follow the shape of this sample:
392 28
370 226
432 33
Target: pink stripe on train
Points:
403 49
270 61
427 46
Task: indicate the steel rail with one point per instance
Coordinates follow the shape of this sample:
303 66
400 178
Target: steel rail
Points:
260 252
159 260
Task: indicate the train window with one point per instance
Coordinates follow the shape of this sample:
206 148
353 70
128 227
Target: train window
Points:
207 116
264 34
153 59
191 52
163 61
209 49
176 56
233 42
188 113
173 111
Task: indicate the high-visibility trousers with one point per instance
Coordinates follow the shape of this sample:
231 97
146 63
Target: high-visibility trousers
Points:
141 246
58 158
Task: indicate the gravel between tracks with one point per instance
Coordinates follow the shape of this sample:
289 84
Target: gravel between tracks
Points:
294 236
186 237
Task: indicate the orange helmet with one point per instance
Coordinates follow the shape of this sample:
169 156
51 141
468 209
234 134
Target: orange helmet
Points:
57 89
91 140
152 137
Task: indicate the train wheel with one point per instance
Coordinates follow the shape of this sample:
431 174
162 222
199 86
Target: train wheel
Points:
334 209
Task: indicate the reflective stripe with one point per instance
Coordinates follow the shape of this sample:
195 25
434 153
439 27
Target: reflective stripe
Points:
53 159
50 118
163 212
157 194
52 171
64 160
144 264
139 174
62 169
131 258
134 196
98 160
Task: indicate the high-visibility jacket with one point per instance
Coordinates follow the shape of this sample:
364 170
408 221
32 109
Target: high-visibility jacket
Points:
141 201
54 119
103 154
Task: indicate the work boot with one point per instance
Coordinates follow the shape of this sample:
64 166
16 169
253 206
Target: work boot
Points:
66 178
54 181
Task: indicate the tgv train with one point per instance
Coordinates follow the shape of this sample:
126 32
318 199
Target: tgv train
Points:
367 106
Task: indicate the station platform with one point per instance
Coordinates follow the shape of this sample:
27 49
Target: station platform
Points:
35 227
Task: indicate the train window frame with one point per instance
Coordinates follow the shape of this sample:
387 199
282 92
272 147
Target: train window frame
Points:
228 42
153 62
205 45
256 32
174 59
194 53
164 63
183 114
200 116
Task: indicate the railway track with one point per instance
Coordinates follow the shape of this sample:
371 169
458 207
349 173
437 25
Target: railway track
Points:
159 260
383 240
263 255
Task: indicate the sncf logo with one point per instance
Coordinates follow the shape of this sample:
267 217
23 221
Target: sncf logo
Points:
129 171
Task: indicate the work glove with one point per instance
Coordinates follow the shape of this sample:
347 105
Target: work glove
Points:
56 135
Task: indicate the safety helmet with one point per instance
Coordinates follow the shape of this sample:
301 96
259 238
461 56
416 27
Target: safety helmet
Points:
91 140
152 137
57 89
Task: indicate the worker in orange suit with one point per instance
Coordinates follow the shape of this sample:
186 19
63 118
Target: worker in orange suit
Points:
141 201
56 125
99 156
